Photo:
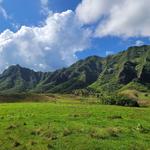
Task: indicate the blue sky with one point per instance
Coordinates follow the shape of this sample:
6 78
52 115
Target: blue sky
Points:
60 37
27 12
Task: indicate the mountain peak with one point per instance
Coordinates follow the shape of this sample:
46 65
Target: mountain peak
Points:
97 73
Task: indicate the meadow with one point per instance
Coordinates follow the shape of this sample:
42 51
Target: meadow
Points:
68 124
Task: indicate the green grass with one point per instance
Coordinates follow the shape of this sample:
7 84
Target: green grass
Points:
71 125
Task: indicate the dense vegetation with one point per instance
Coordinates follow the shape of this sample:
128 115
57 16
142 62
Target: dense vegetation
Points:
119 100
95 73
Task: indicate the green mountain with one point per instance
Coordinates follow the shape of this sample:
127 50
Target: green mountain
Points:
18 79
127 69
130 68
79 75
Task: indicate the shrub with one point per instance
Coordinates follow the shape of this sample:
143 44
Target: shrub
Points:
119 100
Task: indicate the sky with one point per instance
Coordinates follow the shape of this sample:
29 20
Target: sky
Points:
46 35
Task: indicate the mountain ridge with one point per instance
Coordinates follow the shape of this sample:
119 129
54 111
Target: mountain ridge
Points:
109 73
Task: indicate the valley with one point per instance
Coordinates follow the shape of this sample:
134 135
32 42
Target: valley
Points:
95 104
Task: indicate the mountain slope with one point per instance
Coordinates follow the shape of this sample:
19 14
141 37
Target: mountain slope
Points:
18 79
121 69
115 72
79 75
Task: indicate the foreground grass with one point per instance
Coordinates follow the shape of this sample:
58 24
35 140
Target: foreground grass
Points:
73 126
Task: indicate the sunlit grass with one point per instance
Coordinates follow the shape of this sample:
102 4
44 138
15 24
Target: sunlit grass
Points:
73 126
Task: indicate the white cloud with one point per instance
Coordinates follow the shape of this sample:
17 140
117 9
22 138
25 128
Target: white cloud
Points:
139 43
126 18
90 11
48 47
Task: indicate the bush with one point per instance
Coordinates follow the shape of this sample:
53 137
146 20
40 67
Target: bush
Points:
83 92
119 100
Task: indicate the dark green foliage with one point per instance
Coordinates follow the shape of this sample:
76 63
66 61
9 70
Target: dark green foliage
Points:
119 100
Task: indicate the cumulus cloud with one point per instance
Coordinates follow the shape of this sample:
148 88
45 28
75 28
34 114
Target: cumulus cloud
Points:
125 18
90 11
48 47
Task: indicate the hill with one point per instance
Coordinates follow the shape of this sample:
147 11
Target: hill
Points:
128 69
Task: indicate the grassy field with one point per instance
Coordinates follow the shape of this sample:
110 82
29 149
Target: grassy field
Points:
72 125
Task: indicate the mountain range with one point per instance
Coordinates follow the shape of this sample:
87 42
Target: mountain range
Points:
127 69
